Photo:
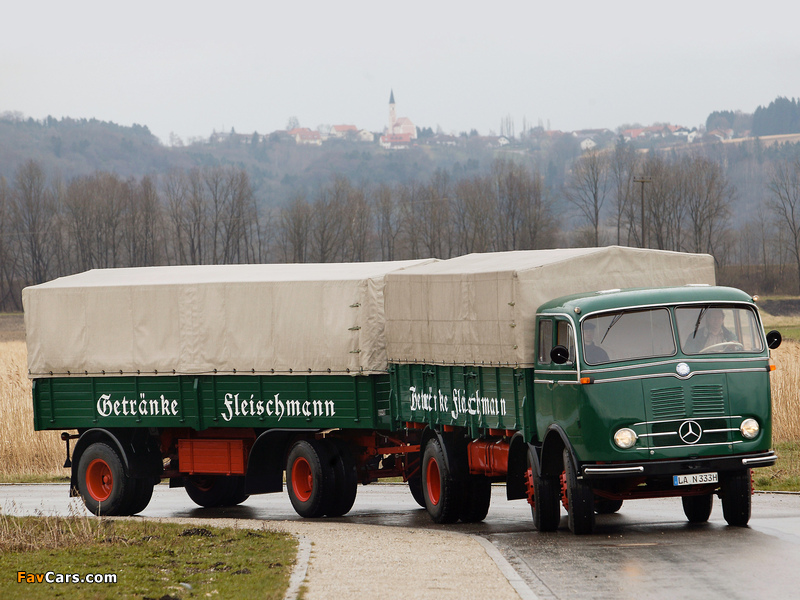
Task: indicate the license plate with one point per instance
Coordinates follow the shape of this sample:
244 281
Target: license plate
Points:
695 479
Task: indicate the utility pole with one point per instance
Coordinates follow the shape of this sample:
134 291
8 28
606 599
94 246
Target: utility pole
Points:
643 179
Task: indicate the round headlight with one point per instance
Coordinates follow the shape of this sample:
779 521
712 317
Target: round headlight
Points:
749 428
625 438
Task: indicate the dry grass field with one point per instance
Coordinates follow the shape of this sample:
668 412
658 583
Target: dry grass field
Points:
25 454
28 455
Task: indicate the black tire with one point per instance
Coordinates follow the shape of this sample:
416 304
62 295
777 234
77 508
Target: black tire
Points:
604 506
476 499
543 496
546 507
736 495
102 482
310 479
441 490
345 478
415 487
580 500
698 508
141 496
210 491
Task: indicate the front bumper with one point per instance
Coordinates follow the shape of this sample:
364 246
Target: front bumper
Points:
658 468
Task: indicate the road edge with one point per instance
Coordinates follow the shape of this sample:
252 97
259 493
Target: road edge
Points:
509 572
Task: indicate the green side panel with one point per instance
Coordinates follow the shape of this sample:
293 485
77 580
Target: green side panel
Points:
314 401
474 397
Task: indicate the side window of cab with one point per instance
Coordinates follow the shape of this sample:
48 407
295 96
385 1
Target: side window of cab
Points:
565 338
545 341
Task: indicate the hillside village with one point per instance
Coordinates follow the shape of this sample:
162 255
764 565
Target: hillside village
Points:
401 133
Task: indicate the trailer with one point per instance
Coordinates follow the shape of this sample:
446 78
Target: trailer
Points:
579 378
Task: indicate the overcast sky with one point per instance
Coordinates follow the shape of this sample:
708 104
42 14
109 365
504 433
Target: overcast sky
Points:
195 67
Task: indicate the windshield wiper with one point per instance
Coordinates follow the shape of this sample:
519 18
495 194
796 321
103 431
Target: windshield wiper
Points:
616 318
699 318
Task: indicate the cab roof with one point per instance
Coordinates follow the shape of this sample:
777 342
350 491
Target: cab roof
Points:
603 300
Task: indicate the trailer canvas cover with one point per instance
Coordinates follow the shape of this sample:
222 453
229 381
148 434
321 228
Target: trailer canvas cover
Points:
207 319
480 308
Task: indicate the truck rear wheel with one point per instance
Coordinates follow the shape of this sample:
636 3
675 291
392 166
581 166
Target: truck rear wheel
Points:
211 491
310 479
543 496
105 488
580 499
476 499
698 508
439 485
736 494
345 478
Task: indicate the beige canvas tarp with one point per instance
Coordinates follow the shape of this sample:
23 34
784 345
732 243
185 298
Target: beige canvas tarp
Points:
480 308
248 318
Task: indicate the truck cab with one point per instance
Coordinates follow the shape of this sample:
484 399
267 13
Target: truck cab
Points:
652 392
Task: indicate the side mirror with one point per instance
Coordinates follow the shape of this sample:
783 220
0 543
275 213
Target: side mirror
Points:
559 355
774 339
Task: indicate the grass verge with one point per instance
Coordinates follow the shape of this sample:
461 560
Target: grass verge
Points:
784 476
149 560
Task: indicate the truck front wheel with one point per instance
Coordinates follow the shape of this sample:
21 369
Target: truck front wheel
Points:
698 508
736 494
580 499
105 488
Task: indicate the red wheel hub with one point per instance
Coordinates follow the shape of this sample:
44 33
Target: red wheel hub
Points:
302 479
99 480
434 483
529 487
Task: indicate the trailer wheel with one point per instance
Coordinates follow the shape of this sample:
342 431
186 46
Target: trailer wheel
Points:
415 487
105 488
345 480
211 491
580 499
604 506
310 480
698 508
736 494
439 485
476 500
143 492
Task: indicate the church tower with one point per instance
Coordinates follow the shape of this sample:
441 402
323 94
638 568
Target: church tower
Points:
392 114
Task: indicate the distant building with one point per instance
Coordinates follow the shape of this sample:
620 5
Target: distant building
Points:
400 132
343 131
304 136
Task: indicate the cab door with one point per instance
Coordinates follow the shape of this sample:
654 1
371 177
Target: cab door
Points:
556 385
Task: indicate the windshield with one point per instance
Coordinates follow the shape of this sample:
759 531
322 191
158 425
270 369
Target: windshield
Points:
626 335
714 328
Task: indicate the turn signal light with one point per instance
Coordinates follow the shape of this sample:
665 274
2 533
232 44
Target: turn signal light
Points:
586 380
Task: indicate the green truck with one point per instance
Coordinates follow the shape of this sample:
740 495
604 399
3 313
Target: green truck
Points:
579 378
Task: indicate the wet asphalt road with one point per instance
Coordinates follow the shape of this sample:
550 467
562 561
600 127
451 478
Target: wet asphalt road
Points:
647 550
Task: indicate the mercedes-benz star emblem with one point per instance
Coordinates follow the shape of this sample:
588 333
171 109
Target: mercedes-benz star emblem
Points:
690 432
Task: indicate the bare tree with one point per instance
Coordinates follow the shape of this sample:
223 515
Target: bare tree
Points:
784 202
587 187
33 216
623 172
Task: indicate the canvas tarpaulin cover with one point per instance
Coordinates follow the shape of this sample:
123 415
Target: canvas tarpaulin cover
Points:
481 308
206 319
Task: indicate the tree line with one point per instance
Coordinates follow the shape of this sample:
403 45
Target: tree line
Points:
50 227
